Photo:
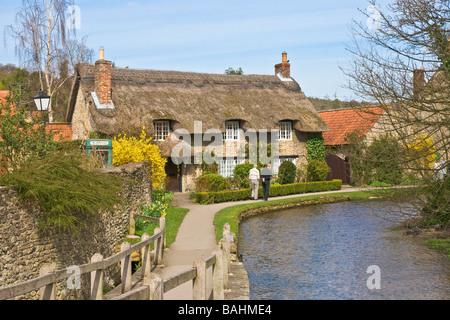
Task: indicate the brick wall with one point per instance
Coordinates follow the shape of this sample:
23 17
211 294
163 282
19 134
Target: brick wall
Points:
61 132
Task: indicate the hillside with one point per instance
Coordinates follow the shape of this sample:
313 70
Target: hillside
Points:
327 104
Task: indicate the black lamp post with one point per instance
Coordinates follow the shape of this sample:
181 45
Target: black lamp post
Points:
42 101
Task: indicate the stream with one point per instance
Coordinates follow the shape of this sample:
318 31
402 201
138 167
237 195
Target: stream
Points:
341 251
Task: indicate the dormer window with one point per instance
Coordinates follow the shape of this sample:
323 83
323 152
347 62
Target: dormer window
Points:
285 130
231 130
162 129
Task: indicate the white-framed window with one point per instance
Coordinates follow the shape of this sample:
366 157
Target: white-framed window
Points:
285 132
278 161
231 130
162 129
226 167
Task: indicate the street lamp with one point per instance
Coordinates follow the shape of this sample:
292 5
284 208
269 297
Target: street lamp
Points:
42 101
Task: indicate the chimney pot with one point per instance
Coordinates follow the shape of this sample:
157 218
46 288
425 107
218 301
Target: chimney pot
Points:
283 68
102 54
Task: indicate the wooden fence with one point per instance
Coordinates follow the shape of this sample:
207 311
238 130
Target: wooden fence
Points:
153 287
48 278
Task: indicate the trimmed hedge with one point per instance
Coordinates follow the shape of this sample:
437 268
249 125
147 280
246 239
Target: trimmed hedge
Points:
274 191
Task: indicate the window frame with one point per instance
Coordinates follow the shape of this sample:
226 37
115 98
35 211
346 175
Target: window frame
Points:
285 133
226 166
231 134
161 136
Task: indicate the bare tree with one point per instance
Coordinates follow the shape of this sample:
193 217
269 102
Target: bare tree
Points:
40 34
77 52
400 59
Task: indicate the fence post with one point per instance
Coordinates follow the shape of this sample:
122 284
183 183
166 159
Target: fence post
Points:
199 285
125 266
218 285
156 286
162 226
47 292
227 238
132 230
146 258
223 245
158 247
97 279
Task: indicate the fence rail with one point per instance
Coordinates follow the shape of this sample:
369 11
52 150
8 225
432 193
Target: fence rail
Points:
153 288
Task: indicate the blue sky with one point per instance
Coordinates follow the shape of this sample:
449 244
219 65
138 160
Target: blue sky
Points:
210 36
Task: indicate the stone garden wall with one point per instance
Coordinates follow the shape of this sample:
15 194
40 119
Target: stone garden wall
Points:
24 249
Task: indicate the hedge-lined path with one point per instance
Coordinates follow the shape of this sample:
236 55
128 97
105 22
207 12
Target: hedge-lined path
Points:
196 238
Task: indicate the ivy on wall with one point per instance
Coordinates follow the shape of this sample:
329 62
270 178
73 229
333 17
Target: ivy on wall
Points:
316 148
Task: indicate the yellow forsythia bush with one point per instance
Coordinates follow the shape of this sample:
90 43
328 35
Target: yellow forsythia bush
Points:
132 149
423 151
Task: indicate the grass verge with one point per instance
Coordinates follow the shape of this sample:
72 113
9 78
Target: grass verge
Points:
174 218
231 214
440 244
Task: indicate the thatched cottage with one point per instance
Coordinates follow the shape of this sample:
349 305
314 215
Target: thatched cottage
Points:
110 101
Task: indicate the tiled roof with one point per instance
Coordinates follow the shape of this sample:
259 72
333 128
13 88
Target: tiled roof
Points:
3 95
343 122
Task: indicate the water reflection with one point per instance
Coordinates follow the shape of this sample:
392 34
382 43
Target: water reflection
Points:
323 252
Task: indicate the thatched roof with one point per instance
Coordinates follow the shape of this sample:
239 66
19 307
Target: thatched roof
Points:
142 96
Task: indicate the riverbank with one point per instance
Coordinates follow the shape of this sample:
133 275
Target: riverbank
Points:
436 238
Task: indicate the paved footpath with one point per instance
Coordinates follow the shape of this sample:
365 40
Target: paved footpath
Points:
196 238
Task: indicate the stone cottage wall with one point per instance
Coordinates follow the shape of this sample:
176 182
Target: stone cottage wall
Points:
82 122
24 249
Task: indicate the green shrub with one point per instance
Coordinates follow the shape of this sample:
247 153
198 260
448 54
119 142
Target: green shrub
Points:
209 183
65 190
157 208
317 170
437 206
162 196
241 173
274 191
383 158
376 183
21 136
287 172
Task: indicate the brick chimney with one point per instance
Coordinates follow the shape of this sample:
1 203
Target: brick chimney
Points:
284 68
103 78
418 81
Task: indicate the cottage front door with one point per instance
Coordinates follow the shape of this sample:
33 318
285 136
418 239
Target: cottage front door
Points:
174 176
